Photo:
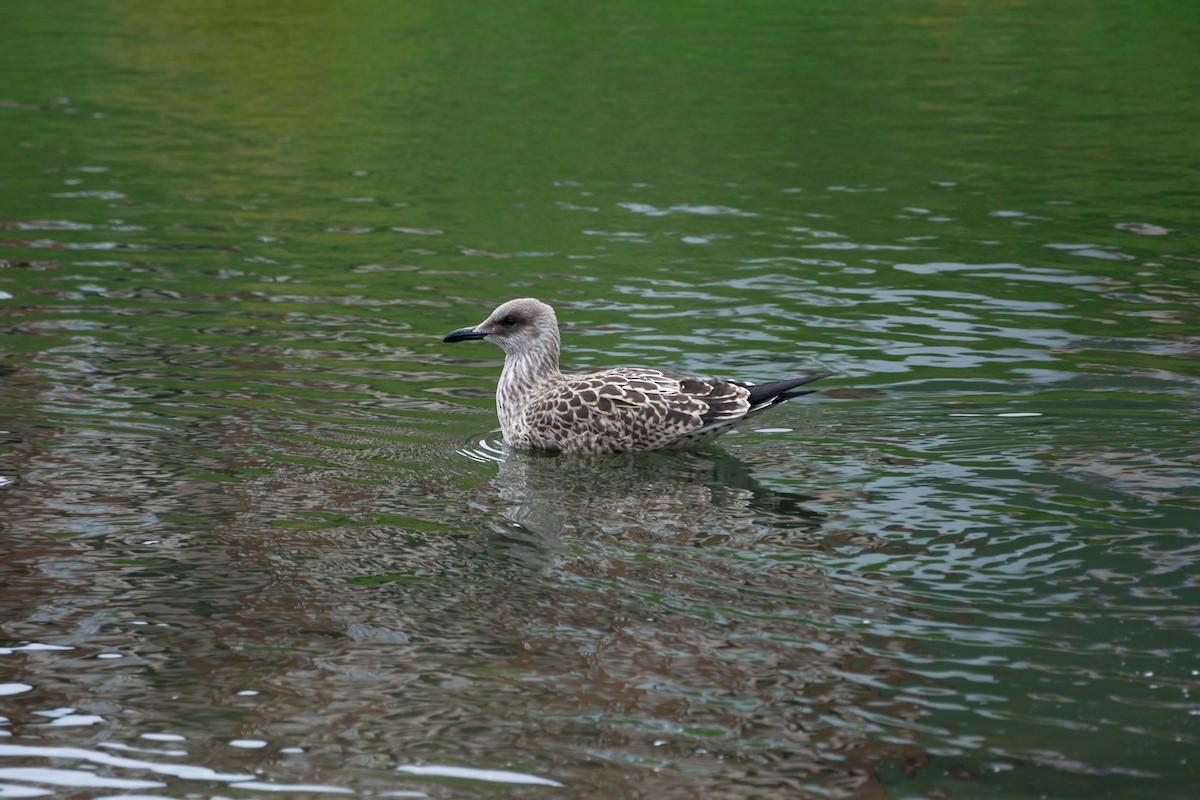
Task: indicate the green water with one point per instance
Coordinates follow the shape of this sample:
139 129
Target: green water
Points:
258 529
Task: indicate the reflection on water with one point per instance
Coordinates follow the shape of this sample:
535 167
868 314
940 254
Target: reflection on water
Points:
289 561
256 538
684 499
666 603
772 616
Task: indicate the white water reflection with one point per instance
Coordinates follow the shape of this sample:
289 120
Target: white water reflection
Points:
474 774
8 790
292 787
185 771
68 777
86 778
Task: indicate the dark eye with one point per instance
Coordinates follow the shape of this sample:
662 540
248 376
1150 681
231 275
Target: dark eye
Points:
509 321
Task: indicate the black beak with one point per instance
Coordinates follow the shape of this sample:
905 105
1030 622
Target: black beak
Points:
463 335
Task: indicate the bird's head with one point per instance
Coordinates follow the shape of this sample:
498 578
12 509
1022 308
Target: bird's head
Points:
519 326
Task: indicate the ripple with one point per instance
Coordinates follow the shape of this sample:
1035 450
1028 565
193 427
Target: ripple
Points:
252 500
74 778
476 774
702 210
485 451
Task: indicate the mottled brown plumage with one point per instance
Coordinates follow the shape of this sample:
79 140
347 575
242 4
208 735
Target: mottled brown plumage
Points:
614 410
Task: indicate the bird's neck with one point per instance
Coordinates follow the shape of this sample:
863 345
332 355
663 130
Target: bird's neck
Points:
525 374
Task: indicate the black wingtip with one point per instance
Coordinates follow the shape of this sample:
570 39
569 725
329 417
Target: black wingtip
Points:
778 391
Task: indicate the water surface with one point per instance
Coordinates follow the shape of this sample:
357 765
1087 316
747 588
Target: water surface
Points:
259 534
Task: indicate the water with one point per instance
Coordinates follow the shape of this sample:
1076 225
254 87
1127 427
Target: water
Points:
260 535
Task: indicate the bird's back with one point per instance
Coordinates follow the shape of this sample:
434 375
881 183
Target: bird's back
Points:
631 408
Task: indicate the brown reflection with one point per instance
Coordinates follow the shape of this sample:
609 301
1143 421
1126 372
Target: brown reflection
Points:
684 497
633 627
684 629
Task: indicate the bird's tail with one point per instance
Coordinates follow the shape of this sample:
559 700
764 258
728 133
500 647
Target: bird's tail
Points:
773 392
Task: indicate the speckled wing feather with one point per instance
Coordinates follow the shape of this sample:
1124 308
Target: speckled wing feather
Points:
633 409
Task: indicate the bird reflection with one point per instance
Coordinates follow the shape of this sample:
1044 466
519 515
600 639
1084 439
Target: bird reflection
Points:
674 497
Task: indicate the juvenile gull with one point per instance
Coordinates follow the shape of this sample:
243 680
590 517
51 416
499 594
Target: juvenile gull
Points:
611 411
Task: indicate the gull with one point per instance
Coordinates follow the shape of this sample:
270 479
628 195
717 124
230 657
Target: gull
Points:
623 409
